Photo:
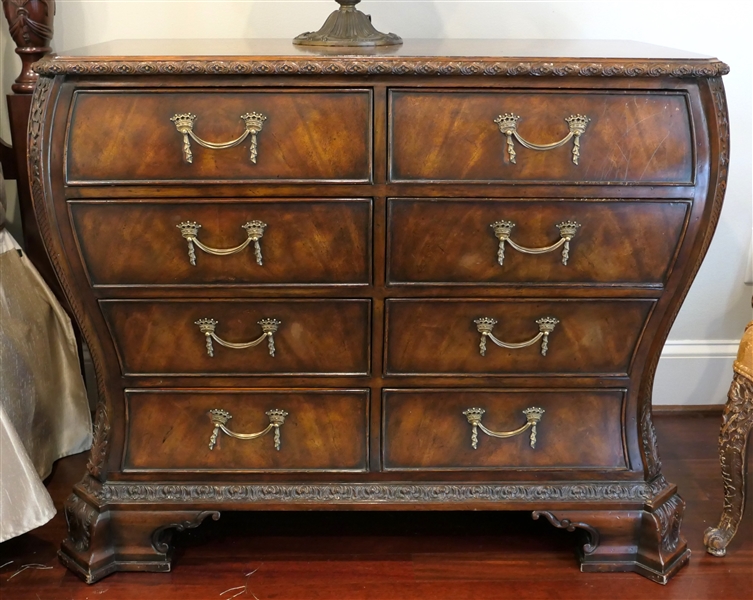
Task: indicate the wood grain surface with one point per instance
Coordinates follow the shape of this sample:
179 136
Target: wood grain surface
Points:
426 429
129 137
440 337
452 136
315 336
304 242
323 431
450 241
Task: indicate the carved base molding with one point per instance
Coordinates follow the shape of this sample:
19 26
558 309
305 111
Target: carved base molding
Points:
369 493
630 526
661 550
101 542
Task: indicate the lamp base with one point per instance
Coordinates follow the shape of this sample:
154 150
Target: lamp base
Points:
348 26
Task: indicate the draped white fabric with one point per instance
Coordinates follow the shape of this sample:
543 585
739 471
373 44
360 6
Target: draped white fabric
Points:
25 503
45 411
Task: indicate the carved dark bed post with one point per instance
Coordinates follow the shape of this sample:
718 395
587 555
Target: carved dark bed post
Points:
31 27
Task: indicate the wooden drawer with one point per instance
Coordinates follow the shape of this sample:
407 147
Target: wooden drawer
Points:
303 242
314 337
308 135
441 337
169 430
447 241
632 137
426 429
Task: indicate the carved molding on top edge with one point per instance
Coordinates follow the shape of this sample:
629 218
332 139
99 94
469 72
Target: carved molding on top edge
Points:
39 103
371 492
343 66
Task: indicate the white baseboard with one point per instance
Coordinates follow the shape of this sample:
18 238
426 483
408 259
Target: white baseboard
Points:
694 372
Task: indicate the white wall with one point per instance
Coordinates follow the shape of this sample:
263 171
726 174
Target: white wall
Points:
695 368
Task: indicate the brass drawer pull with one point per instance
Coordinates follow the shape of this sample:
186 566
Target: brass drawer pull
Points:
508 125
268 326
502 230
221 417
254 232
533 416
485 325
184 124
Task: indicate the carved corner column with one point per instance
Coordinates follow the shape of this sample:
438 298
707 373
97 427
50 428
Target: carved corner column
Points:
737 422
103 539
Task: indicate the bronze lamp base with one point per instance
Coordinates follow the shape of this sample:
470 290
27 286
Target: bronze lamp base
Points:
347 26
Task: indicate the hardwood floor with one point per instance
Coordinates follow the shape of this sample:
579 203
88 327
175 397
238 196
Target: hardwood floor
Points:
406 556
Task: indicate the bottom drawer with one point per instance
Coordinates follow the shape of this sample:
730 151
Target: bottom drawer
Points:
322 430
427 429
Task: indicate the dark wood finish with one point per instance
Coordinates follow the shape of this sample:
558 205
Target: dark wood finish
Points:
609 339
446 241
170 430
631 138
30 23
402 555
308 135
426 429
611 546
305 242
19 106
316 336
102 542
8 160
440 337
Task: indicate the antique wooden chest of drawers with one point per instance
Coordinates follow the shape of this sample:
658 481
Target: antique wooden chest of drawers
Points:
438 277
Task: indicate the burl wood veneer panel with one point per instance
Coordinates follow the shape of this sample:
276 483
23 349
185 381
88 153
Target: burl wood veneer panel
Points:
451 241
426 429
309 135
323 431
315 336
632 137
304 242
440 336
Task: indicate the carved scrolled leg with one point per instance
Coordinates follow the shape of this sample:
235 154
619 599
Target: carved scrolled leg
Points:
737 422
103 540
647 542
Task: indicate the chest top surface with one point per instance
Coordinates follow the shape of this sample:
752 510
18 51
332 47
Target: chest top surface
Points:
415 57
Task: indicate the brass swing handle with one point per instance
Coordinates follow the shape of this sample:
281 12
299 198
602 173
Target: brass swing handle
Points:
254 232
533 416
221 417
268 326
503 229
508 125
184 124
485 325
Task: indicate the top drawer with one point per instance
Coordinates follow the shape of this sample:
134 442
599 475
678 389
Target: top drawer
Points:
483 137
288 135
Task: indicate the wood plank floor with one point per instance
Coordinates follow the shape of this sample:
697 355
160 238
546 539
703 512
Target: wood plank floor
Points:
405 556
